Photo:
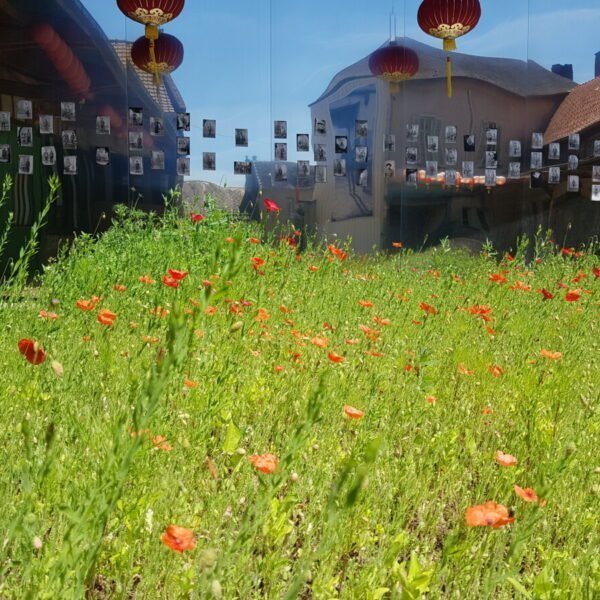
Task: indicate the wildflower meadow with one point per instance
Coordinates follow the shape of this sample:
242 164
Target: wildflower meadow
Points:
198 406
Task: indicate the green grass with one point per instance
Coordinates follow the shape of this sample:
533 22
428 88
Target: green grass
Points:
371 508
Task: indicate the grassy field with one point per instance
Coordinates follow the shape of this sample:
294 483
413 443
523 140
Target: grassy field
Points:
155 399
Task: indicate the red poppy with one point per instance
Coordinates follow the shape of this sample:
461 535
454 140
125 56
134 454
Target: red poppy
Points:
196 218
320 342
490 331
106 317
464 371
596 272
550 355
178 275
257 262
254 240
431 399
271 206
336 358
265 463
380 321
335 251
366 303
573 295
262 315
496 370
119 288
32 351
528 494
88 305
505 460
170 281
178 538
431 310
44 314
547 295
147 280
353 413
397 244
490 514
160 442
497 278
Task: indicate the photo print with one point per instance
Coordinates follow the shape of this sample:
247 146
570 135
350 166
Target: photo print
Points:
280 130
536 160
574 141
362 177
303 167
136 165
157 126
320 127
491 159
157 160
469 143
389 168
24 113
320 174
25 164
411 155
573 183
431 168
281 173
451 178
183 166
135 116
25 137
361 128
339 167
514 149
302 142
433 143
102 125
46 124
490 177
535 179
136 140
554 151
67 112
450 134
389 143
241 138
183 121
554 175
361 153
514 170
596 174
102 156
537 141
209 161
183 146
4 120
468 169
242 167
70 165
280 151
596 193
596 142
491 136
341 144
573 162
48 156
320 153
412 132
451 156
4 153
412 177
209 128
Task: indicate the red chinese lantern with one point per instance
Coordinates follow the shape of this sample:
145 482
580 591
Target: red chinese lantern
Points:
167 56
448 20
394 63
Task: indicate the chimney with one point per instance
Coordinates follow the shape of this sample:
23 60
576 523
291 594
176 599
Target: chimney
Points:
567 70
597 70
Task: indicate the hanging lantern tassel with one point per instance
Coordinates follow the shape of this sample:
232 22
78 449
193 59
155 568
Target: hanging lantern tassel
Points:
152 34
449 76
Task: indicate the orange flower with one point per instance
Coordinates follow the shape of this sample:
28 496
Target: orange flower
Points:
579 277
88 305
313 268
254 240
397 245
384 322
285 310
464 371
351 342
497 278
160 442
106 317
547 295
428 308
336 358
366 303
551 355
337 252
505 460
178 538
229 240
353 413
159 311
44 314
496 370
32 351
257 262
528 494
210 310
170 281
519 285
320 342
190 383
119 288
278 368
490 331
178 275
147 339
147 280
490 514
370 334
573 295
431 399
262 315
265 463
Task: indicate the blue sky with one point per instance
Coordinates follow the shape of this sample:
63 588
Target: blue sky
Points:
248 63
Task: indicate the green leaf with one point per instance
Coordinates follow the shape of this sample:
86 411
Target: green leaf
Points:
232 438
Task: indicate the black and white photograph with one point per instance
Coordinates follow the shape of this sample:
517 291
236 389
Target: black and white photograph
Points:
596 174
67 111
389 143
536 160
302 142
281 173
468 169
242 167
136 165
412 155
102 156
4 120
157 126
341 144
320 127
451 177
25 164
490 177
280 151
573 162
450 134
412 132
491 136
46 124
554 151
183 166
209 128
433 143
25 137
537 141
491 159
209 161
574 142
596 193
320 174
157 160
431 168
362 177
280 130
69 139
24 113
361 153
451 156
102 125
136 140
136 116
70 165
361 128
303 167
412 177
389 168
48 156
241 138
554 175
535 179
514 149
183 121
4 153
514 170
573 183
469 143
596 142
339 167
183 146
320 152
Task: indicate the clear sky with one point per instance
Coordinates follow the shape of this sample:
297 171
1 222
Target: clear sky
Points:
249 63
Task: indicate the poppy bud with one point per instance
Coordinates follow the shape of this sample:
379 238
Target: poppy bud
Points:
236 327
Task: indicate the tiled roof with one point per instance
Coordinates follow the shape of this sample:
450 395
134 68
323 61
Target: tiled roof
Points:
578 111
